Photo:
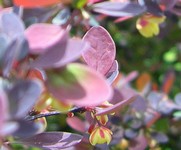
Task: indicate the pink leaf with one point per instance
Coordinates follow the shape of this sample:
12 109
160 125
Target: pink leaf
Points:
115 107
76 124
60 54
101 54
43 36
79 85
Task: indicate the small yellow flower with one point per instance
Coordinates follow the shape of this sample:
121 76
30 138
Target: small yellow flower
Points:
100 135
148 25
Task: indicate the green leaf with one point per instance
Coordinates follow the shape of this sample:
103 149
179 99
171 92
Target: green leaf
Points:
79 3
177 114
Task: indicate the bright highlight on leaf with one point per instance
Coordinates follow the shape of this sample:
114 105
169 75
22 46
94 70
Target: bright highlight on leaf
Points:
148 25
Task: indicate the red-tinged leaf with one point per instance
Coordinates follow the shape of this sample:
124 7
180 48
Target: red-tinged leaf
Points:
35 3
3 109
42 37
35 74
142 81
76 124
168 82
168 4
79 85
115 107
60 54
101 54
52 140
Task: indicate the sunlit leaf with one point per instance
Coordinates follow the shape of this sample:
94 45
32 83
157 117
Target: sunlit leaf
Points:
41 37
60 54
52 140
102 51
78 85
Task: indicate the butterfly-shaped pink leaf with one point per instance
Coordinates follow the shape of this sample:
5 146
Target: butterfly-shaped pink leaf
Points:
101 54
79 85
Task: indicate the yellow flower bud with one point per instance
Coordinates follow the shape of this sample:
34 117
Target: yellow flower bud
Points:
100 135
103 119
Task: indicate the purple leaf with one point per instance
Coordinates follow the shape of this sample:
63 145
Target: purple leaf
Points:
139 104
159 137
79 85
26 129
8 128
166 107
22 97
40 14
178 99
101 54
113 72
130 134
76 124
16 50
119 9
42 37
154 98
153 7
52 140
11 24
115 107
60 54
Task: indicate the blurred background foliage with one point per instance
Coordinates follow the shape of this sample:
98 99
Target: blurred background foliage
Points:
155 56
